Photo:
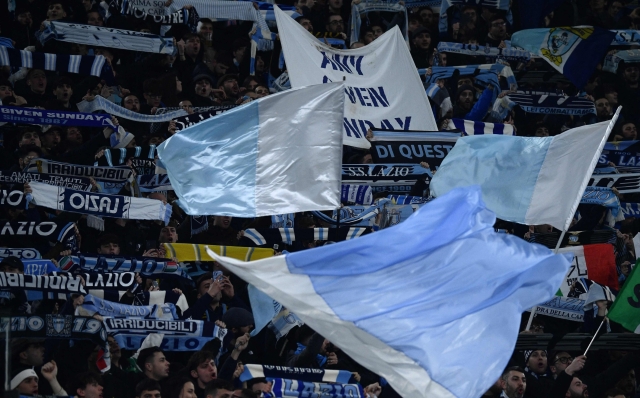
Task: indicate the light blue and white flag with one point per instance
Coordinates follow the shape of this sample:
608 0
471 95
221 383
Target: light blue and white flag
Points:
407 322
469 127
519 175
279 154
94 305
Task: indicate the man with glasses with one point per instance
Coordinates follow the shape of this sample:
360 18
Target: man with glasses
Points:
561 360
334 27
497 32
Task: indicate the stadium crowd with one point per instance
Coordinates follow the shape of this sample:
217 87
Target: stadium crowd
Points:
211 69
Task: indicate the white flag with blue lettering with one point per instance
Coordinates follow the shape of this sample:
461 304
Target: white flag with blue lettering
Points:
383 89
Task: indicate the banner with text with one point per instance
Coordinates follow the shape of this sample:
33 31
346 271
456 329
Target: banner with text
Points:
374 96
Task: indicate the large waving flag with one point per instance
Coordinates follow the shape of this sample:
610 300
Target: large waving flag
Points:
573 51
279 154
444 291
529 180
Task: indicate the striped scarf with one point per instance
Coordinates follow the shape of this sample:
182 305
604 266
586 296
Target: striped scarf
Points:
82 64
469 127
366 7
105 37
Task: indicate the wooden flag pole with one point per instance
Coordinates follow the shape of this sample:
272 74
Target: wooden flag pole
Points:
594 336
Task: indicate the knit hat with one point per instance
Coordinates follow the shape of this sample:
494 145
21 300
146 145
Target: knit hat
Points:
120 138
527 355
466 87
19 375
237 318
13 262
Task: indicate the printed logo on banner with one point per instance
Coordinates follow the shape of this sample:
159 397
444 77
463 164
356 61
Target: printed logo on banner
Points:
59 326
561 41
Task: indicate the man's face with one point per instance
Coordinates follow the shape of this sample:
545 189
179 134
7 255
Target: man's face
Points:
222 221
427 17
203 87
560 362
33 355
628 383
192 46
307 25
37 82
158 367
629 131
470 15
114 347
132 103
466 99
94 18
261 387
51 139
205 28
230 87
205 372
631 74
614 8
187 106
377 31
336 24
220 69
168 235
92 390
422 41
538 362
223 394
74 135
515 385
612 97
150 394
28 386
204 286
25 19
577 389
109 248
5 91
63 92
498 29
153 99
603 108
335 4
238 53
30 138
56 12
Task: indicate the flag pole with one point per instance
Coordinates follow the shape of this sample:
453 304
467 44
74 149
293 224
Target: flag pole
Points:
535 309
615 117
594 336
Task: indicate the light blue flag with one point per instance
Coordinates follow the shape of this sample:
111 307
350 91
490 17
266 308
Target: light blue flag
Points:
279 154
520 177
432 305
263 308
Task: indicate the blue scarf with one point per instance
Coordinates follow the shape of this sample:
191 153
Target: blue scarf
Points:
484 75
98 204
147 266
63 284
295 388
551 103
271 236
179 335
611 61
469 127
630 209
105 37
101 104
22 253
443 25
302 374
82 64
623 154
95 305
508 54
14 114
366 7
624 183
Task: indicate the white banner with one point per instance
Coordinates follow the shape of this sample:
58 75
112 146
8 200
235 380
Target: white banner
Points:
577 270
383 89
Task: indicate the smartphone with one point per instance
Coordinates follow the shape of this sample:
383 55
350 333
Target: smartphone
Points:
151 244
217 275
